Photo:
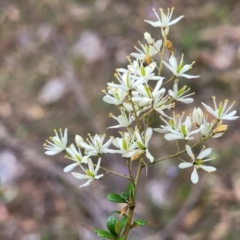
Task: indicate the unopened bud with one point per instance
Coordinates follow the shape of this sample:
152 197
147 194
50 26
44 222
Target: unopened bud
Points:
148 38
78 139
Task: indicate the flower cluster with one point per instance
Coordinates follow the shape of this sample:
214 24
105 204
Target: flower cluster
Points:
142 96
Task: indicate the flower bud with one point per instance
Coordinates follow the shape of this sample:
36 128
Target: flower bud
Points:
78 139
198 116
148 38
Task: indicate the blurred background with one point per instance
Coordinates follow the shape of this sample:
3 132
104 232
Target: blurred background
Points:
56 56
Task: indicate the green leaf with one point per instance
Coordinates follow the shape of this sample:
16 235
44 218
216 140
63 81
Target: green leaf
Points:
122 223
140 222
113 197
111 223
125 196
104 234
122 238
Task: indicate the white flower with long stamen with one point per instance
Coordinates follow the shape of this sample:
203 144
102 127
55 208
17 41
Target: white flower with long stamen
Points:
144 73
126 144
172 124
90 173
160 102
179 131
114 96
95 146
197 162
58 144
221 112
143 95
165 20
179 69
76 156
123 120
142 143
148 51
126 80
178 95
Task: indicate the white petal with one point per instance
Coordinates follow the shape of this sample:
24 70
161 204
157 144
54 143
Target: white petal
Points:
70 167
173 62
149 156
87 183
185 165
208 168
188 76
170 136
148 135
175 20
154 24
189 152
80 176
99 176
98 166
194 176
53 152
204 153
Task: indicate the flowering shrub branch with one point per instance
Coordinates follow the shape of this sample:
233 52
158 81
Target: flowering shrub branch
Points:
140 97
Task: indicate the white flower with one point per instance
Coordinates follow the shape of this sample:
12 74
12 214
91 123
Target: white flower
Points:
114 96
164 22
126 80
208 129
95 146
144 73
198 117
179 69
143 95
178 95
126 144
197 162
175 129
76 156
220 112
160 102
172 124
58 144
123 120
91 173
142 144
148 51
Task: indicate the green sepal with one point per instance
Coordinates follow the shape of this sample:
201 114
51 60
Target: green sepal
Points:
111 225
114 197
104 234
139 222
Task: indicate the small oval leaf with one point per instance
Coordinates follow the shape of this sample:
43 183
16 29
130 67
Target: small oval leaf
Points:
140 222
131 190
104 234
125 196
113 197
122 223
111 223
